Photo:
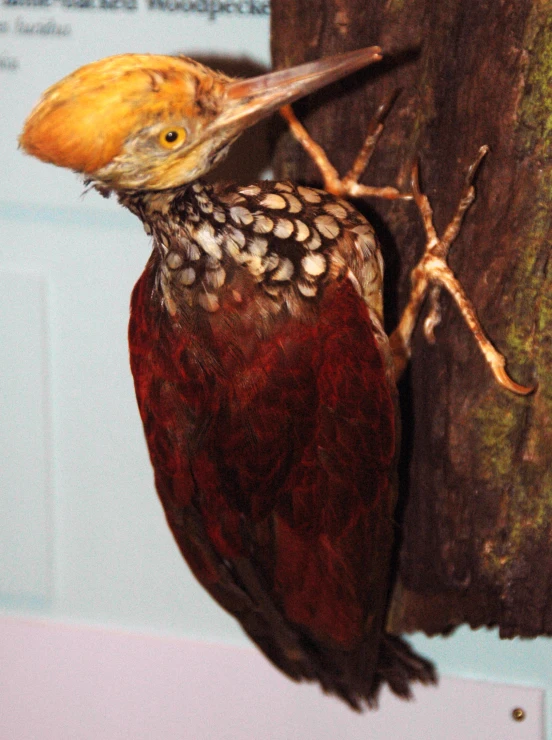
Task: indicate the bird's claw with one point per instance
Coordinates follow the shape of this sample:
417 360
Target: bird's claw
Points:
432 273
349 185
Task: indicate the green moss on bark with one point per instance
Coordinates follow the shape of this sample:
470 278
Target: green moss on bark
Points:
535 121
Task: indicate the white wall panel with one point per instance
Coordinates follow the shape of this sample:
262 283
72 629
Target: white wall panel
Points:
26 523
75 683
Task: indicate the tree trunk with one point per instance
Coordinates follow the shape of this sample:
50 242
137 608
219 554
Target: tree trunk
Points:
476 510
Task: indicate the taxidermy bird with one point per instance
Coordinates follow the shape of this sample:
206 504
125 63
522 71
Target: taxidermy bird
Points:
264 377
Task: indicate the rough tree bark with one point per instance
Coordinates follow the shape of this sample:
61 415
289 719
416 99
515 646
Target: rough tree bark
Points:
476 516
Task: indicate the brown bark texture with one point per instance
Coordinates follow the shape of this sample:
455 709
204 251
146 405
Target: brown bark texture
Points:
476 506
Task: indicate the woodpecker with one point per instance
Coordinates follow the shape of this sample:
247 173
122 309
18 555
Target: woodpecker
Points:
265 380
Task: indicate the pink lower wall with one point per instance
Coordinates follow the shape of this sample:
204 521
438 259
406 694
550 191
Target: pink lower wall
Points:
74 682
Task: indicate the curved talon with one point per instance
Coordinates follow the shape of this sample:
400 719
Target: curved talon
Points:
375 128
433 318
506 381
483 150
385 107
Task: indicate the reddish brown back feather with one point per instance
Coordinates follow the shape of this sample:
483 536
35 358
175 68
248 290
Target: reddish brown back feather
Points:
274 461
285 447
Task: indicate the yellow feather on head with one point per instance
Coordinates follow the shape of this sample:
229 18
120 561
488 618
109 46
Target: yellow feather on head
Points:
83 121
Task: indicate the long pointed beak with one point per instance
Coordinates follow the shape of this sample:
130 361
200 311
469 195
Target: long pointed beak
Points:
248 101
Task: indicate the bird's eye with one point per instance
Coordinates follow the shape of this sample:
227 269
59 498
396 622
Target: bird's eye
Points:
171 138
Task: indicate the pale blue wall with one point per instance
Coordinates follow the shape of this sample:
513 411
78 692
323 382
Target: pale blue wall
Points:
82 536
481 654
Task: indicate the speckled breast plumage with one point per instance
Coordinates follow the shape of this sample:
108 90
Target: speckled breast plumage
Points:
289 240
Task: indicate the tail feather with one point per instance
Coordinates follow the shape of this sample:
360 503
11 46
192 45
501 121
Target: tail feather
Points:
358 684
399 666
356 676
350 675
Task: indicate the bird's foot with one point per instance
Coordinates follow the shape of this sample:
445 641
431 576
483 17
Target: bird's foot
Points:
347 186
432 273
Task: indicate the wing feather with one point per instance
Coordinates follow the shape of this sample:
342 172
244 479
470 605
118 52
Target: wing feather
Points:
274 462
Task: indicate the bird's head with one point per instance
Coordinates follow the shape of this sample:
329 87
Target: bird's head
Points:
148 122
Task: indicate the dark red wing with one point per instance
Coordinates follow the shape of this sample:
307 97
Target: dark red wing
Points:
274 461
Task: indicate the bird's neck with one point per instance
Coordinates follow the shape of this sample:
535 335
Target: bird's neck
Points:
267 247
152 206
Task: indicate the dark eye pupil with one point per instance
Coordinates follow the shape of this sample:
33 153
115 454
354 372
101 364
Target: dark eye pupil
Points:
171 136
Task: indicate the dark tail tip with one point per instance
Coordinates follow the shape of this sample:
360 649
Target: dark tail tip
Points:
399 666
